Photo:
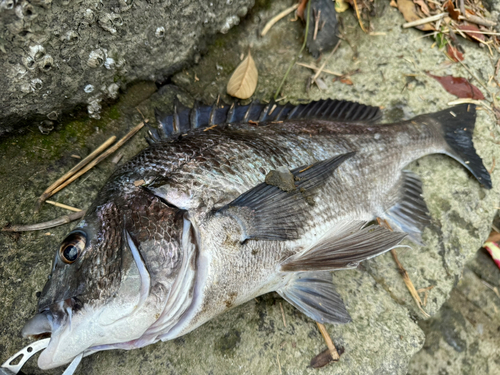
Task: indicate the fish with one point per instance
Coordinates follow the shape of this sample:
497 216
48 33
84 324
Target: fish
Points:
230 202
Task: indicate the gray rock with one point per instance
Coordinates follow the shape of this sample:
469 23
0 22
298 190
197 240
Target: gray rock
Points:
463 337
57 55
387 70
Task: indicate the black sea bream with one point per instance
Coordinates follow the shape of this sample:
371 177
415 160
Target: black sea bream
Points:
229 203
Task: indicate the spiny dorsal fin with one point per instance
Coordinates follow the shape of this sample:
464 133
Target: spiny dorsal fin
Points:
314 294
183 120
278 208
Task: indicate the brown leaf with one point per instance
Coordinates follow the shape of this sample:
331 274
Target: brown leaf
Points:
473 32
423 6
243 82
450 8
459 86
410 14
454 53
347 81
322 359
494 237
301 8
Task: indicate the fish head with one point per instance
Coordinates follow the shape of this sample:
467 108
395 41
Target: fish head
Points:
104 290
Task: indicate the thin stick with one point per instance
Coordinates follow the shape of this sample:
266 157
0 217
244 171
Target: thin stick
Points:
45 225
283 314
329 342
423 21
298 54
315 69
72 171
279 364
403 272
359 17
324 63
316 24
276 18
103 156
409 284
57 204
478 20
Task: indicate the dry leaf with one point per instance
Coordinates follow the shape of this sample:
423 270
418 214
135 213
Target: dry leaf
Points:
450 8
459 86
473 32
301 8
423 6
243 82
410 14
454 53
346 80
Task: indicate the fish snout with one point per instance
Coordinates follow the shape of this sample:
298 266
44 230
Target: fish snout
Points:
40 324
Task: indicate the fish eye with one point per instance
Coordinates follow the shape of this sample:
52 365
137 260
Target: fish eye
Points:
72 247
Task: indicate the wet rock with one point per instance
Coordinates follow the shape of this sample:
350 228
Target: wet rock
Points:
50 51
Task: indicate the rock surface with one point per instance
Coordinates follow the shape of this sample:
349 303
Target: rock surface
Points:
386 70
462 338
57 55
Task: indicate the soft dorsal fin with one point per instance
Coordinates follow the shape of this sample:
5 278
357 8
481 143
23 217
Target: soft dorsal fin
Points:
183 120
278 208
314 294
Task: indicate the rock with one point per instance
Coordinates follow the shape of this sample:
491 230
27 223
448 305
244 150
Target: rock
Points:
387 70
462 338
57 55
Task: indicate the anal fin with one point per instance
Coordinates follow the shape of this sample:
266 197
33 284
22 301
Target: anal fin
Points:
345 246
314 294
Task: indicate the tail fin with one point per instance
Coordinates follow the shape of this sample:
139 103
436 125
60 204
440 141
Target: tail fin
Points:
457 124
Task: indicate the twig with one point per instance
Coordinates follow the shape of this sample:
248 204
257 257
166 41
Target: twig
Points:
100 158
298 54
279 364
276 18
409 284
478 20
423 21
57 204
473 75
45 225
324 63
316 24
315 69
283 314
329 343
403 272
358 15
72 171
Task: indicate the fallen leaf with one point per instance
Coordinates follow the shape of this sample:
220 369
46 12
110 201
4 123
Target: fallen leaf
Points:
243 82
347 81
301 8
459 86
423 6
472 31
450 8
454 53
410 14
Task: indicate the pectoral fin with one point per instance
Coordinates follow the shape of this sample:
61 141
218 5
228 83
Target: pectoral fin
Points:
313 293
345 246
278 208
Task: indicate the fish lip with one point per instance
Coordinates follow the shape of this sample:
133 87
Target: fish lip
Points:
42 324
